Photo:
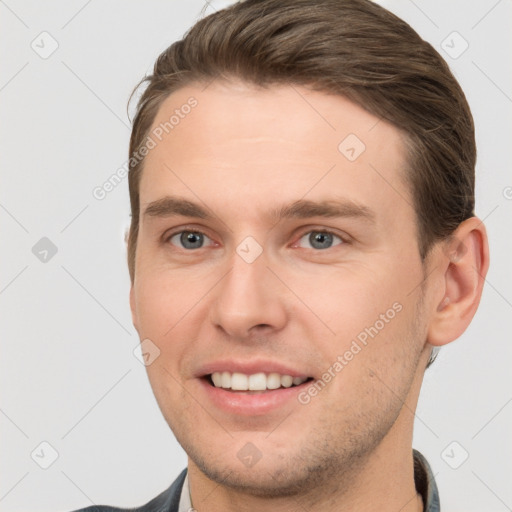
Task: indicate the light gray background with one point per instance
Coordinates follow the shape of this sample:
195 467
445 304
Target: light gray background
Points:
68 373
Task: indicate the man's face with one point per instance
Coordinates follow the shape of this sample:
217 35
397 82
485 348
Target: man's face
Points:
241 290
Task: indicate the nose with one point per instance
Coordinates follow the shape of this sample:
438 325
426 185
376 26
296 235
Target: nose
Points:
249 300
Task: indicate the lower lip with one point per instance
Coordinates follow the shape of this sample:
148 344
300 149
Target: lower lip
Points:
237 402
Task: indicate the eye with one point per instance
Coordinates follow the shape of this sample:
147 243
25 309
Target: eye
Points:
189 239
319 240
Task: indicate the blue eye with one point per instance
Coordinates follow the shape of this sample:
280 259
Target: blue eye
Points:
189 239
320 240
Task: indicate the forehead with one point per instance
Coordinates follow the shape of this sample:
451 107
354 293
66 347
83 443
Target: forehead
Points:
279 143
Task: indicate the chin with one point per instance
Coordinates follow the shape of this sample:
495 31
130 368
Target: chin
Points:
265 479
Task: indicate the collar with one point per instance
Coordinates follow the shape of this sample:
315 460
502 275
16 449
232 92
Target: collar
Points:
425 483
185 500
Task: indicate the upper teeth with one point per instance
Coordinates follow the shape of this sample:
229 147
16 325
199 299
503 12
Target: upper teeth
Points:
255 382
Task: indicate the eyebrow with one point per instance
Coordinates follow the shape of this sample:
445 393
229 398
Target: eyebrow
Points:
170 206
303 209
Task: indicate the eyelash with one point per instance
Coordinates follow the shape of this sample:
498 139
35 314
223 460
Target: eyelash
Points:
344 239
167 238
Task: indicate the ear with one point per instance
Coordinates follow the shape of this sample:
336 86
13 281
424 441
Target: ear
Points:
133 308
464 261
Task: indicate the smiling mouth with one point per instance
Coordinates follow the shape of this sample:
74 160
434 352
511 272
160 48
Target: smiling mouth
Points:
255 383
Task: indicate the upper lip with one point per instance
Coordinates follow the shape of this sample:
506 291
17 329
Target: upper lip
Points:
250 367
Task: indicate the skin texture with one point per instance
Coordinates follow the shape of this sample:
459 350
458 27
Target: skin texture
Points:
240 153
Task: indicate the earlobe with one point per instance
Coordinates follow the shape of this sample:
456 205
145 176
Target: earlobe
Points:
465 260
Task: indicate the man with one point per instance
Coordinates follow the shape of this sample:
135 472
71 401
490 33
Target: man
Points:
302 239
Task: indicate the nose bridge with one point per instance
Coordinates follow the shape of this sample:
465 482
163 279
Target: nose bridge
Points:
248 296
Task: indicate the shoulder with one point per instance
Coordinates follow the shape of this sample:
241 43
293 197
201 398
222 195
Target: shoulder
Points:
167 501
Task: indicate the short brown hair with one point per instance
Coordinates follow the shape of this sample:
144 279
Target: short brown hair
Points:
353 48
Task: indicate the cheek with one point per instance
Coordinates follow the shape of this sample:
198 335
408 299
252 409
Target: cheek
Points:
163 301
352 299
391 344
171 311
158 314
372 314
377 367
